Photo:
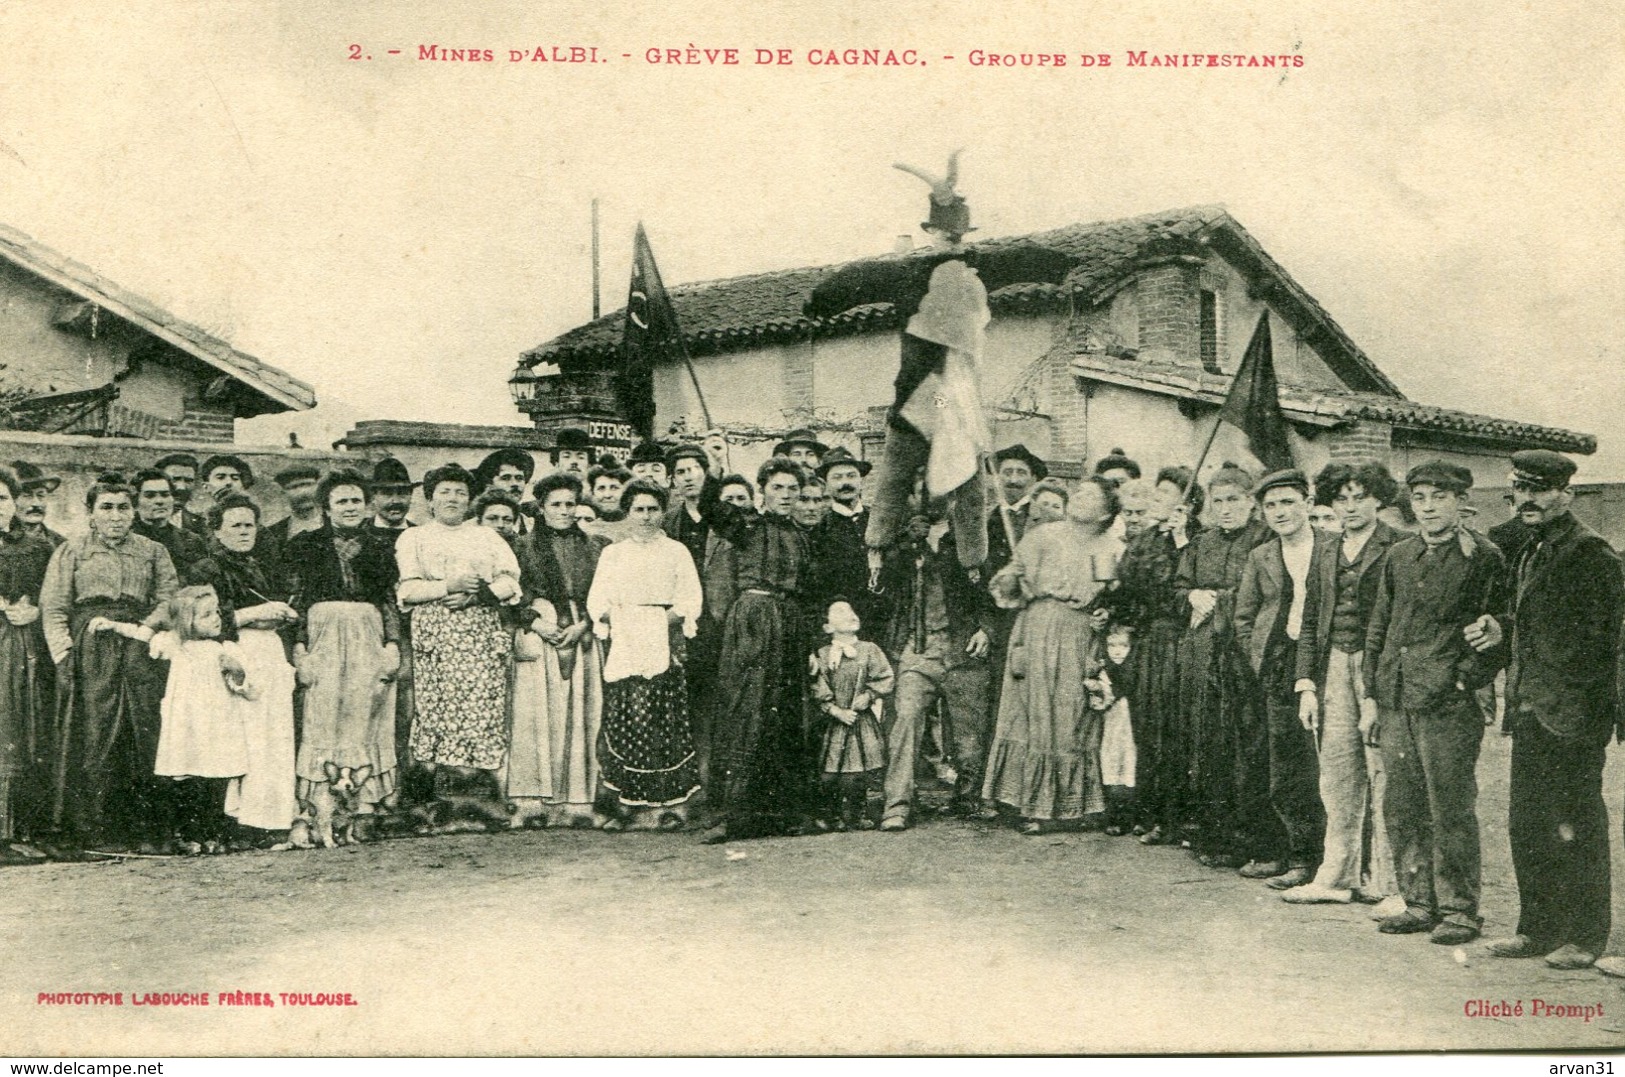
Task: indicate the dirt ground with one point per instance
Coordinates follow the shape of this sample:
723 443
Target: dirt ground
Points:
953 937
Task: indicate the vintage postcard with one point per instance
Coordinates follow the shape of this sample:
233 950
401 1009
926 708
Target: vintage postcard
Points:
935 527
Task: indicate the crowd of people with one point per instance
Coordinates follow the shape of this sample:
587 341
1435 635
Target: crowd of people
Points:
1290 679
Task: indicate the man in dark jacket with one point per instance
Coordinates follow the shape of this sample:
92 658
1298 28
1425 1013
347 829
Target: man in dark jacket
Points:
940 635
1438 585
1269 620
1564 628
154 519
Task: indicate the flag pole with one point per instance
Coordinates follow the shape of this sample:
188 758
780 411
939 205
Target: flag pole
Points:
693 378
682 345
1190 484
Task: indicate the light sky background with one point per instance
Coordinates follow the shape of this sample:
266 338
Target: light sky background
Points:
1443 177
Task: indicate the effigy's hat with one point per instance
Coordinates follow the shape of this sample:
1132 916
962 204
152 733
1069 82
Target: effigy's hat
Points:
949 212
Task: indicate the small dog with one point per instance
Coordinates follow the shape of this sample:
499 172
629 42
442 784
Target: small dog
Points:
328 817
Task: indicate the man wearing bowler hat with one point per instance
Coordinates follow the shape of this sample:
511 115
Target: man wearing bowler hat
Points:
1439 591
571 452
34 486
803 447
390 499
1016 470
839 554
390 496
648 461
1561 709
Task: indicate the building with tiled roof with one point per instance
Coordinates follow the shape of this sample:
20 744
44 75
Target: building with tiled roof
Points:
1132 349
103 361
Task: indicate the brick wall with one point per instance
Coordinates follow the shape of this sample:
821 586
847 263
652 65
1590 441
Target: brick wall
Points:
1170 313
77 460
1364 440
799 381
200 423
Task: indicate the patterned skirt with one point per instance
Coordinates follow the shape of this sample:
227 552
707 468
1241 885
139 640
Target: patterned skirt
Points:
646 745
460 668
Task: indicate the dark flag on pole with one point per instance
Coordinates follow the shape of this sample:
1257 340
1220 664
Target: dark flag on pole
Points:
651 333
1254 405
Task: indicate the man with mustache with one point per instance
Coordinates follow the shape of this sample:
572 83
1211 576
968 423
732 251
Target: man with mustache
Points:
180 468
1561 709
34 486
391 500
842 569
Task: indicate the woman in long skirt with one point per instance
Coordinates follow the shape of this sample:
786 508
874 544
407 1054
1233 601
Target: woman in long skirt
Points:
1045 761
102 596
1219 703
558 691
254 606
1146 600
26 682
454 575
762 763
646 600
343 579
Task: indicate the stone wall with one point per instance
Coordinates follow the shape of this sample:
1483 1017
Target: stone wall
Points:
77 461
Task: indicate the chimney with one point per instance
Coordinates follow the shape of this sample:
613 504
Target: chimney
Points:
902 244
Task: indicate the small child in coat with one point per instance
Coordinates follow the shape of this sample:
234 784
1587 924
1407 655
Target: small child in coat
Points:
1110 691
850 678
201 743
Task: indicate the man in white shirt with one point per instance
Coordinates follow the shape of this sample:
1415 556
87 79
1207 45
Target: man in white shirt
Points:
1269 620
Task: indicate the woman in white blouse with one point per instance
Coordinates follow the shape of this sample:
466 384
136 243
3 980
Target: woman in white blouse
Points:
454 576
645 600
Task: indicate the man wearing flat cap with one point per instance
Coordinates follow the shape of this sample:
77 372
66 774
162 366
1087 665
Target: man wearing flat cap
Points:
1269 622
299 484
1440 590
1561 709
34 487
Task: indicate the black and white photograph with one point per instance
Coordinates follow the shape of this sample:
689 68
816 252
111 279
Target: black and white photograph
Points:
931 529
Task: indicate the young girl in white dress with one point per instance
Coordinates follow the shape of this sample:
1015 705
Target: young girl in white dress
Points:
202 742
